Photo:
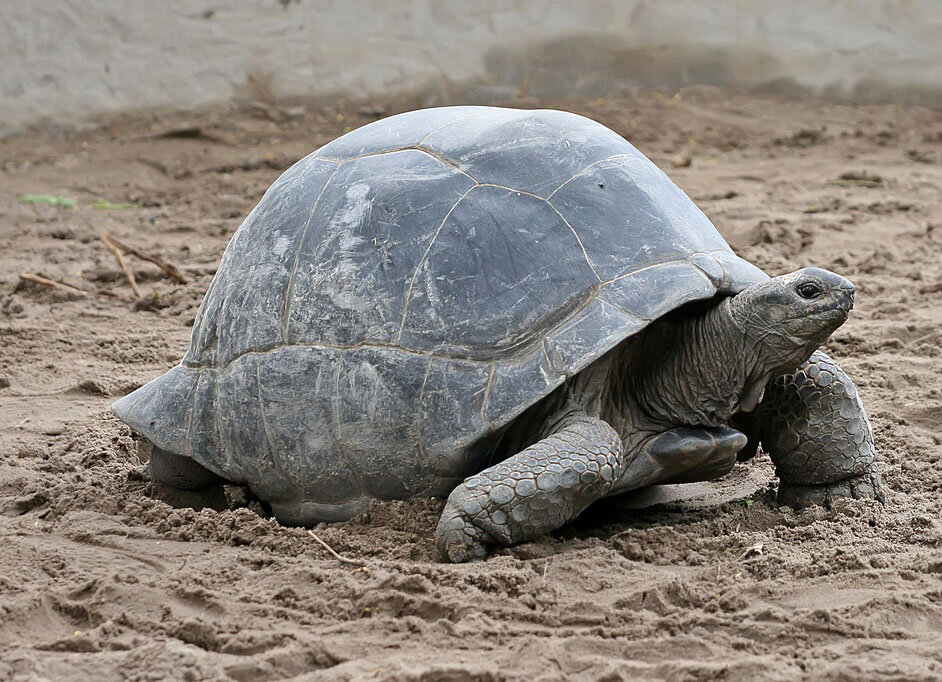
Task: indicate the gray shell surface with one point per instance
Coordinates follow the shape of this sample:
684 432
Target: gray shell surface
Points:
410 288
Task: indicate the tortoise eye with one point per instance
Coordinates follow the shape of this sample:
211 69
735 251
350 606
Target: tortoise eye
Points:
809 290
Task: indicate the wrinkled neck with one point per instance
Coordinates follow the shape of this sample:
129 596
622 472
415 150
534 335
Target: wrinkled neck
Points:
696 370
778 350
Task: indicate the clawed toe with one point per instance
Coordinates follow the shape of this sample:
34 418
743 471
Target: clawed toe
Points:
458 540
866 486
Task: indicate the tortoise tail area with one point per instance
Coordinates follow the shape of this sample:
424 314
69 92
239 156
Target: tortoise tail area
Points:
167 412
207 416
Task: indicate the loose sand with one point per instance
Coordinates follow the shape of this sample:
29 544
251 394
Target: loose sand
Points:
99 581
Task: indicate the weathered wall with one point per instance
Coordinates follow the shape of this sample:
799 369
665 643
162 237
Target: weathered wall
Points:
71 59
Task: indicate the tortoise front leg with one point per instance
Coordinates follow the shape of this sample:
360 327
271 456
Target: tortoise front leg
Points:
537 490
813 424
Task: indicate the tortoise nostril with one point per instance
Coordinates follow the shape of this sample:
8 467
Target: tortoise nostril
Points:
847 300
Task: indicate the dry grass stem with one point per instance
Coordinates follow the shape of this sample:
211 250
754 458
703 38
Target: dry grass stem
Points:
169 268
107 241
38 279
330 550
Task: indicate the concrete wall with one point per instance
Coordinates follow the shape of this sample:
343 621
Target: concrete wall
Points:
67 60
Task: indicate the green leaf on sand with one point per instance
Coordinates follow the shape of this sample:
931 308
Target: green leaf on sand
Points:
48 199
105 205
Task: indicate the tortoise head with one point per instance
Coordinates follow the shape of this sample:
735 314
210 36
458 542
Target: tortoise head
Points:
789 316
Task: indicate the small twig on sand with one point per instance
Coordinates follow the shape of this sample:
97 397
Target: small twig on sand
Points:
931 288
29 277
343 559
106 240
163 265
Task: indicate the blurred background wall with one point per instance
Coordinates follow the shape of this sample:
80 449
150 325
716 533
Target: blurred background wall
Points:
68 60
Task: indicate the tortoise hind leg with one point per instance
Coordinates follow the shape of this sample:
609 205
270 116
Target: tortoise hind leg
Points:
183 482
814 427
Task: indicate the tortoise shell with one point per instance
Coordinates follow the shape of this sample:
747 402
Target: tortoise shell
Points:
402 294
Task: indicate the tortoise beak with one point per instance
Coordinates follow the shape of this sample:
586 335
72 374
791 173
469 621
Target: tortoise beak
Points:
847 298
844 291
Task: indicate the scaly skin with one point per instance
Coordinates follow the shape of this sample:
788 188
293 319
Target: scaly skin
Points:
537 490
551 482
814 427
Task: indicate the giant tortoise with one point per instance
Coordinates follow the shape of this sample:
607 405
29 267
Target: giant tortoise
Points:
515 309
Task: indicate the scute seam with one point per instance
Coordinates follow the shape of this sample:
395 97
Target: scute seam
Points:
578 239
445 125
556 211
438 156
191 399
289 288
575 234
275 459
418 415
415 274
623 311
594 163
335 413
669 262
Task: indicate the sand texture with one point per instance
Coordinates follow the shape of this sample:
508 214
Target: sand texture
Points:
100 581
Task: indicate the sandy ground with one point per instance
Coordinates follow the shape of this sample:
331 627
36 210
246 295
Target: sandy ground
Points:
99 581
